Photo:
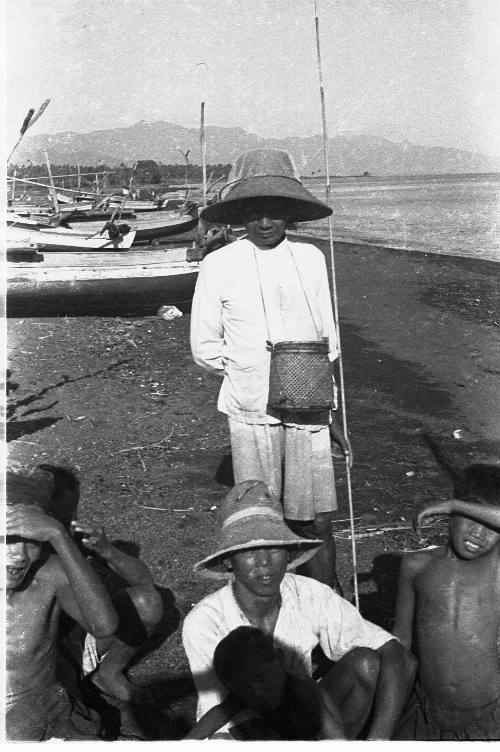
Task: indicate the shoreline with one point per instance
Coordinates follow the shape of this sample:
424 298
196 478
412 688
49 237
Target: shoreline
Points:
339 242
121 401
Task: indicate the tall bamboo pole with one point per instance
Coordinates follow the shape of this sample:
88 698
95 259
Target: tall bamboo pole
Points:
335 306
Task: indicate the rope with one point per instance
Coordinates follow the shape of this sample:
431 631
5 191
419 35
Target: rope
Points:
335 308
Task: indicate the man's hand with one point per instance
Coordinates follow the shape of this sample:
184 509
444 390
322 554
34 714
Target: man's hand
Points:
31 522
429 512
337 436
93 537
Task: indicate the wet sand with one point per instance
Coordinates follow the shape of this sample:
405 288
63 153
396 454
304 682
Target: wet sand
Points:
120 400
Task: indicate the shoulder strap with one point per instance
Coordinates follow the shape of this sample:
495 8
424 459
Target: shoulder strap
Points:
317 328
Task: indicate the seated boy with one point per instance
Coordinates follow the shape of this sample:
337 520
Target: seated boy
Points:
448 607
41 583
137 607
133 594
287 707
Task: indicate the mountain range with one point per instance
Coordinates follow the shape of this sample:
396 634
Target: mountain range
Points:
350 152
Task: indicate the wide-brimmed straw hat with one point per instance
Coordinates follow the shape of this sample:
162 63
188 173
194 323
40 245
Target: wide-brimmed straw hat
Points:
268 173
252 518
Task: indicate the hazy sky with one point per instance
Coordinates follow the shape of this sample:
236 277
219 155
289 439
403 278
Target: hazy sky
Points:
425 70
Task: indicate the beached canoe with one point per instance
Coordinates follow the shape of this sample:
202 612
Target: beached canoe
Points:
147 227
25 235
132 282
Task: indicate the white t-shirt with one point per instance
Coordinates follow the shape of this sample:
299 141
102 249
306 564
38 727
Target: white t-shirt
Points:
310 613
228 325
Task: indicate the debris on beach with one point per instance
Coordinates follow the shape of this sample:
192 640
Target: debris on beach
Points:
169 312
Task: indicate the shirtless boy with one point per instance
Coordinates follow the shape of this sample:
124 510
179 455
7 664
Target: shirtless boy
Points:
135 598
289 707
45 575
448 606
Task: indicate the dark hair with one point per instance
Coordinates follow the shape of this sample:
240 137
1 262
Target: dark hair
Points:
478 483
64 501
242 642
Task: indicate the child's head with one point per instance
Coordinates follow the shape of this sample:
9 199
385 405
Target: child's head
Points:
246 663
477 484
25 487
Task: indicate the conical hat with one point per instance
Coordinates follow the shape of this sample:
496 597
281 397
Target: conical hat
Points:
252 518
269 173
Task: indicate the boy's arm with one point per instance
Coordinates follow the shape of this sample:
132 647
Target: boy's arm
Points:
80 592
405 600
395 682
215 718
133 570
485 513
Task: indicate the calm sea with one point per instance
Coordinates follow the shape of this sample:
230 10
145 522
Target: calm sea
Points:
451 214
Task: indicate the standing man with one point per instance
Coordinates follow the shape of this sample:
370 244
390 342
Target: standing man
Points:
265 288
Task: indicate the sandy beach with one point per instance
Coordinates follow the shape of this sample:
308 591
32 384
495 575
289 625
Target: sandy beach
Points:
120 400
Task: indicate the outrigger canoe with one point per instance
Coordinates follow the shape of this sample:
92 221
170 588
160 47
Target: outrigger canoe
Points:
147 227
65 239
135 282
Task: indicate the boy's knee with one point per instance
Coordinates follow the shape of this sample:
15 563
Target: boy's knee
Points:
139 610
365 664
149 605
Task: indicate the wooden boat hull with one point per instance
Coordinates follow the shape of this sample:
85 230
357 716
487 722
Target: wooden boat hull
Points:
62 239
146 228
83 284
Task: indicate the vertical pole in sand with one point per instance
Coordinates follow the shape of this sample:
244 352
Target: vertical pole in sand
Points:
79 183
335 307
52 186
13 186
203 153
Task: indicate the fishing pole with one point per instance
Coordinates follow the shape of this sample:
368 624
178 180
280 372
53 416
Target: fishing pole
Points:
335 307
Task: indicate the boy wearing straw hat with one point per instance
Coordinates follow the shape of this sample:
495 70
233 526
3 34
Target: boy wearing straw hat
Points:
373 674
261 289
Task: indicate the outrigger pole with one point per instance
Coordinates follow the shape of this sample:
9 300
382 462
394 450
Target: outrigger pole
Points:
335 308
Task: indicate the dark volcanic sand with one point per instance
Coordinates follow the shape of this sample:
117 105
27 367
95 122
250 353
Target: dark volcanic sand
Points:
121 401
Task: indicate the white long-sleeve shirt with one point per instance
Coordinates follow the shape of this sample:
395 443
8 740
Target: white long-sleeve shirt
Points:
228 325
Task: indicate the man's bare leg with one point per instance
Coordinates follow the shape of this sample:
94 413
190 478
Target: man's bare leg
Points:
352 683
322 566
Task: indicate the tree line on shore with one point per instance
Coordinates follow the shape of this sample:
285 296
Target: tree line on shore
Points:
145 171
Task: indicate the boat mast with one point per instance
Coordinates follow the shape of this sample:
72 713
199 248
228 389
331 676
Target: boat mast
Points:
203 153
52 186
